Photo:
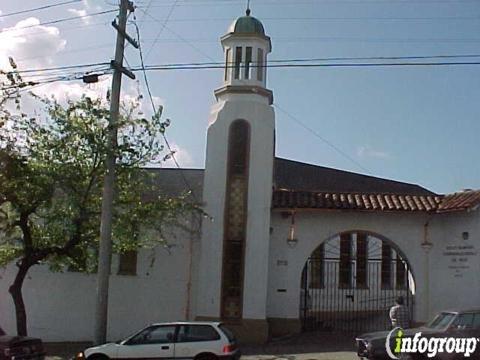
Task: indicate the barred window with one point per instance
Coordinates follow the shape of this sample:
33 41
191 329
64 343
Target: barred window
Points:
345 270
317 268
127 264
386 267
361 273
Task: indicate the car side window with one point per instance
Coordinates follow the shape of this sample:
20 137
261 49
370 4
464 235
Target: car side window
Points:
154 335
476 321
464 321
193 333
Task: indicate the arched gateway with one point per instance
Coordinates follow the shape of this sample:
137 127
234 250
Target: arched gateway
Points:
351 280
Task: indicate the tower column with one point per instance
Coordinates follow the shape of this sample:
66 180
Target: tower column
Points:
238 188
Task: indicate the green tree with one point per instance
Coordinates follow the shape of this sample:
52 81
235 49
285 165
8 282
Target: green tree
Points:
51 176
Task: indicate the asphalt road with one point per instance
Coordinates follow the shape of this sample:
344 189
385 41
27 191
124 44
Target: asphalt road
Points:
307 356
337 355
307 346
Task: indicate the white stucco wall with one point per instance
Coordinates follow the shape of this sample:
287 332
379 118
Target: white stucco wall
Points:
255 110
455 284
60 306
433 278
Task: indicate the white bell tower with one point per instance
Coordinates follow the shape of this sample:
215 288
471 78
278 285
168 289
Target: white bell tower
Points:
238 187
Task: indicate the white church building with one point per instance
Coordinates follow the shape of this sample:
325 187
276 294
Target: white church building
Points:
291 247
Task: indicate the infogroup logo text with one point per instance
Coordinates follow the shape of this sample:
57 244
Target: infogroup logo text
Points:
424 345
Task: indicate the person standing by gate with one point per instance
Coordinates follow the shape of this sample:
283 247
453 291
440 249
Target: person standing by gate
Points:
399 314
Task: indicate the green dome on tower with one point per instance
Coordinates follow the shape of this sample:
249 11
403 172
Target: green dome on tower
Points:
247 25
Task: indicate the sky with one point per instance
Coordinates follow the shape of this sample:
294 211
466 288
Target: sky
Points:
414 124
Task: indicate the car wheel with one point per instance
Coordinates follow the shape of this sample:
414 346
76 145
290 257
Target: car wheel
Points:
206 357
98 357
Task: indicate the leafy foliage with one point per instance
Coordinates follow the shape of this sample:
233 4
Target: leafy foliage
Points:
51 178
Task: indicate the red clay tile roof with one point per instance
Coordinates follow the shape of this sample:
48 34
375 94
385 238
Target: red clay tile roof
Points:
286 199
298 185
460 201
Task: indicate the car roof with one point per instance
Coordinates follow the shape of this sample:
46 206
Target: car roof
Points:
215 323
461 311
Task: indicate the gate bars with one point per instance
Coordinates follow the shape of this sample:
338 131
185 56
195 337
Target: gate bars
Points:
362 303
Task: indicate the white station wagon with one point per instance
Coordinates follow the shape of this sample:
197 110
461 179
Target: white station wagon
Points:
180 340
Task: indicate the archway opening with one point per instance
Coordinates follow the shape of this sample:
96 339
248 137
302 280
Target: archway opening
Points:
351 280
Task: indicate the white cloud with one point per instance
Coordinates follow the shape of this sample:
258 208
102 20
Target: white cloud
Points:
82 12
89 6
63 91
29 40
36 47
182 156
369 152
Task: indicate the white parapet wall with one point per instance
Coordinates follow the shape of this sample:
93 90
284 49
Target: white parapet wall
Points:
60 306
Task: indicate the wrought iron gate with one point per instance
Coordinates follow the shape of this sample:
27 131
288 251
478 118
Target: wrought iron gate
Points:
353 296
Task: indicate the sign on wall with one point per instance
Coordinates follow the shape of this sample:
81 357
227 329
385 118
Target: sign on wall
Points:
461 257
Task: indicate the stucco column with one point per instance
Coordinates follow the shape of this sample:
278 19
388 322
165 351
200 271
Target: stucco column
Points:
426 247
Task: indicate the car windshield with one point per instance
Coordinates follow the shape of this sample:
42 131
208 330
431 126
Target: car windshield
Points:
441 321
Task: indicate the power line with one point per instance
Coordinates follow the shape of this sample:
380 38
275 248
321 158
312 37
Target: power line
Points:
398 64
39 8
96 47
281 109
193 67
59 20
347 58
186 41
286 63
312 2
162 27
316 134
197 67
64 29
147 85
181 38
313 39
62 67
332 18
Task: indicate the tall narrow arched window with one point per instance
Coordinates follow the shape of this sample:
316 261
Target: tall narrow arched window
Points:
260 64
235 222
248 62
228 62
238 61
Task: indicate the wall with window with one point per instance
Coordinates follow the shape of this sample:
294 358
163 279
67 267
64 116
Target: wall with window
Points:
151 286
433 271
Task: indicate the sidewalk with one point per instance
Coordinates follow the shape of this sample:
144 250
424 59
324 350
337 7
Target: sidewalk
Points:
307 346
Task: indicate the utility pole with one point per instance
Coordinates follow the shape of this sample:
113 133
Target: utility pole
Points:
105 251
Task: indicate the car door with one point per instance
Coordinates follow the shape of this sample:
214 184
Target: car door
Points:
195 339
156 341
461 328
